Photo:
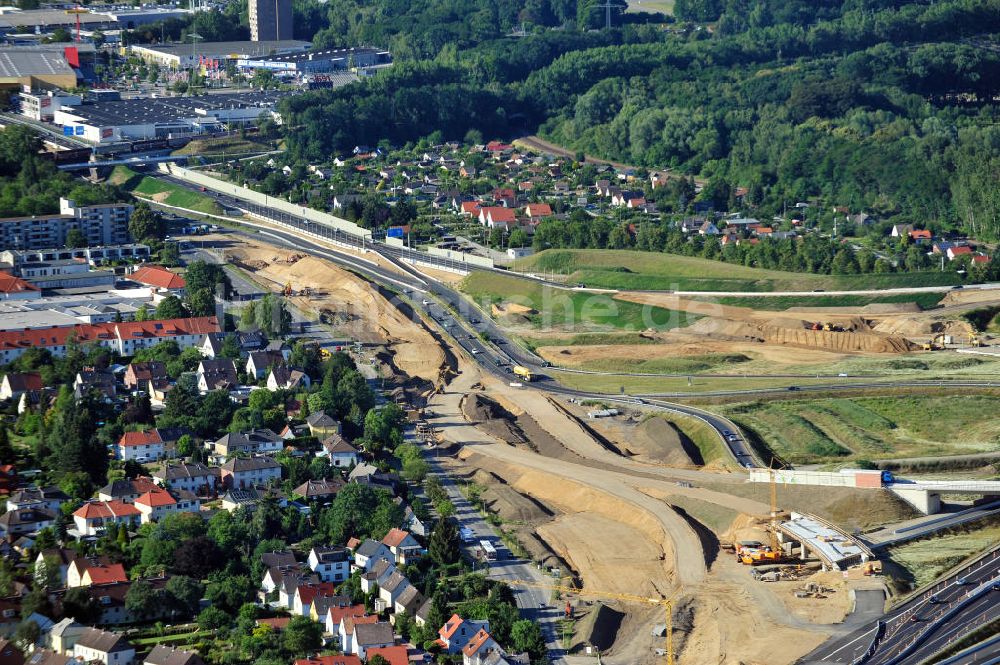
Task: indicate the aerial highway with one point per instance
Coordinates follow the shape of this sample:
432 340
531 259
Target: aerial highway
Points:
925 623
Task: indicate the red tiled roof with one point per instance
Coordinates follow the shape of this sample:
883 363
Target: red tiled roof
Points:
498 214
156 499
920 234
395 655
140 438
476 643
307 592
395 537
980 258
277 623
337 614
159 277
109 574
470 207
964 249
105 509
57 335
11 284
450 626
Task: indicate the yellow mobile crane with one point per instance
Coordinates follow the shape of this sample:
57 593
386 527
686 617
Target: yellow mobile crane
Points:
666 603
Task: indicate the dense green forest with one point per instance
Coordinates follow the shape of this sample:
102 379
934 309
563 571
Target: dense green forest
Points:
878 105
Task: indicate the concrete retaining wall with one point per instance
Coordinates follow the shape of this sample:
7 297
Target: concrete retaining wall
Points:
848 478
471 259
239 191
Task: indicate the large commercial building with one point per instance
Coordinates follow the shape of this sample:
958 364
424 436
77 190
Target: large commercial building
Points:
92 255
105 224
183 56
36 68
317 62
13 20
270 19
42 106
163 117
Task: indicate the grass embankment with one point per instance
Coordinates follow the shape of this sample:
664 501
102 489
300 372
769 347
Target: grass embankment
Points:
694 384
705 439
721 362
230 146
810 431
782 303
545 307
921 562
631 270
162 192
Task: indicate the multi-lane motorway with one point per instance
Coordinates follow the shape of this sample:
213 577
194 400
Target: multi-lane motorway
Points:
910 633
924 624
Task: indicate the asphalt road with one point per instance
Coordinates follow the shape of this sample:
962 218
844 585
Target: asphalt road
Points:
915 630
533 602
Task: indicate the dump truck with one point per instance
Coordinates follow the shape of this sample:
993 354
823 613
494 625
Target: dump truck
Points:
523 372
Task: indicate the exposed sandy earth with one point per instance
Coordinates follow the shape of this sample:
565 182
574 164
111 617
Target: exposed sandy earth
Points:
358 309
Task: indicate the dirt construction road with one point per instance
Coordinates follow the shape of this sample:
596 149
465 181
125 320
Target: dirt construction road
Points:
617 529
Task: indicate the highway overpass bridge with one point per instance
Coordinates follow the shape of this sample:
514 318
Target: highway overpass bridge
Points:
924 495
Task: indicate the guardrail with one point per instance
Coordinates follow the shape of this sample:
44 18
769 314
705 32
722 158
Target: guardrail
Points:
950 516
972 596
962 657
873 645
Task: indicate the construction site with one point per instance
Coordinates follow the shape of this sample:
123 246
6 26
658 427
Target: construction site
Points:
653 540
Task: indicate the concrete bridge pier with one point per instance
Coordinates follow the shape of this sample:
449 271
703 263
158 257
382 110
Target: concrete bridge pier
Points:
925 501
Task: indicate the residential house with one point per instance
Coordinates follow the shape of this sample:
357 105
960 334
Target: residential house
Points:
342 454
248 472
322 603
478 648
138 375
322 425
15 384
403 546
126 489
369 552
470 209
94 517
23 521
392 587
157 391
495 217
319 490
291 580
63 635
456 633
283 378
921 235
216 374
210 345
59 558
369 636
537 211
104 646
145 446
160 280
156 505
110 600
259 362
305 593
412 523
377 576
49 657
84 571
335 616
708 229
164 655
198 479
253 442
332 564
658 179
89 379
901 230
956 251
408 601
50 498
394 655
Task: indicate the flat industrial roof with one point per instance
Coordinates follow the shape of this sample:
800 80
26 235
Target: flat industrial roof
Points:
12 18
325 54
21 63
169 109
222 49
